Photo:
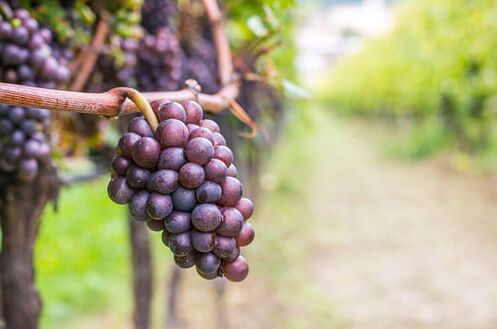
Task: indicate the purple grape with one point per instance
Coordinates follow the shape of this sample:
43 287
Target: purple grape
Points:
44 152
172 110
146 152
163 181
207 276
199 150
5 30
31 148
20 35
29 127
159 206
194 112
246 235
186 261
232 171
155 225
35 42
208 192
232 256
22 14
202 132
120 165
119 191
140 126
172 158
12 55
224 246
17 115
137 177
30 24
224 154
172 133
218 139
138 206
246 207
211 125
180 244
216 171
49 68
126 144
232 223
178 222
232 192
207 263
25 73
191 127
206 217
203 241
236 271
191 175
17 138
183 199
28 170
5 127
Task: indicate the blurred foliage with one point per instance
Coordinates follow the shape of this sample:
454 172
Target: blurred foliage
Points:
438 70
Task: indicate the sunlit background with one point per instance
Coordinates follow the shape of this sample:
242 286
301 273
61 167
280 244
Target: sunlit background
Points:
378 206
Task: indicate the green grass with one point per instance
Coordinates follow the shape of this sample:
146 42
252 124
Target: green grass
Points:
82 256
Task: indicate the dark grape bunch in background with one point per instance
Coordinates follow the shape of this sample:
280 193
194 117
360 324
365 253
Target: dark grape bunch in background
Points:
181 180
26 58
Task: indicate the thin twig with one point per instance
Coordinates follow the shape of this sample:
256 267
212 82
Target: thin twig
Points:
91 53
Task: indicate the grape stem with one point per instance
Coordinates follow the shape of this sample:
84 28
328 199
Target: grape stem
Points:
143 105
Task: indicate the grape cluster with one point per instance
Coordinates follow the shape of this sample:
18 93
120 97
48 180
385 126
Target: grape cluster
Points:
157 14
182 181
159 61
26 57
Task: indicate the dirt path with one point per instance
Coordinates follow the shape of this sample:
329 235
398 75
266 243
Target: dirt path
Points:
402 245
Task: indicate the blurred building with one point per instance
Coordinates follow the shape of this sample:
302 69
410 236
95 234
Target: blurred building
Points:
340 29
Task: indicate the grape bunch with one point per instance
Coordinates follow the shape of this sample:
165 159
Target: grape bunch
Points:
158 13
26 57
182 181
159 61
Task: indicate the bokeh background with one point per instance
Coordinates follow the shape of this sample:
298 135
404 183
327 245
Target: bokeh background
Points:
377 207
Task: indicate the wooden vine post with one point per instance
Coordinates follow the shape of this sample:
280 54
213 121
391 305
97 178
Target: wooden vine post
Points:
21 204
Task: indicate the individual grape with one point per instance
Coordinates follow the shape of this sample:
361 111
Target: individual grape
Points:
137 177
172 158
140 126
16 115
203 241
186 261
210 124
5 127
146 152
172 133
232 171
206 217
172 110
232 223
138 206
208 192
29 127
126 144
191 175
236 271
159 206
246 207
202 132
120 165
180 244
163 181
207 263
246 235
199 150
207 276
165 236
155 225
44 152
20 35
183 199
232 192
224 154
119 191
216 171
30 149
232 256
28 170
224 246
17 138
194 112
178 222
218 139
191 127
